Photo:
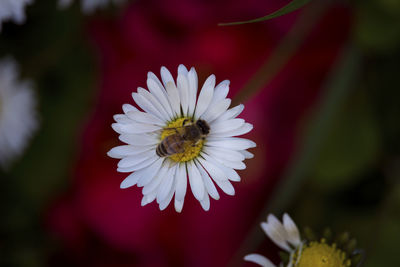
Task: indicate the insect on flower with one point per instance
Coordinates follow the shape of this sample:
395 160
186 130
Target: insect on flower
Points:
181 136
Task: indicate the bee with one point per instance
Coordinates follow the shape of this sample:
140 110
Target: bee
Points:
189 133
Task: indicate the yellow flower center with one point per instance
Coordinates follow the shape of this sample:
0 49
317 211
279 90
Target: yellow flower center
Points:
320 254
191 149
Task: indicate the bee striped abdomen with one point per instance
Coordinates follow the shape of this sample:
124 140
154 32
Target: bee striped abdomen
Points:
170 145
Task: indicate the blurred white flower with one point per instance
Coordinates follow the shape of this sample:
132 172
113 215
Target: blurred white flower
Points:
18 118
286 236
305 252
180 137
13 10
89 6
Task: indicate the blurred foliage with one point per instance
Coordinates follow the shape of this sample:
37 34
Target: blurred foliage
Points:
351 145
354 184
52 51
377 26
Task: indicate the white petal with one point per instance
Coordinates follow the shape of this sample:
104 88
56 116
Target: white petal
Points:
237 164
213 170
130 180
147 174
225 126
227 154
160 94
166 76
244 129
231 113
196 181
205 203
209 185
128 107
168 199
139 165
155 103
173 97
148 198
139 139
233 143
183 88
120 152
220 92
215 111
205 96
182 70
178 205
259 259
151 75
122 118
193 85
135 128
181 182
229 172
155 182
291 230
136 159
247 154
146 105
226 186
144 117
276 232
166 184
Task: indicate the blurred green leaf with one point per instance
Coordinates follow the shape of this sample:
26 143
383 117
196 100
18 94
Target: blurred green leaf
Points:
60 63
377 27
352 144
386 235
292 6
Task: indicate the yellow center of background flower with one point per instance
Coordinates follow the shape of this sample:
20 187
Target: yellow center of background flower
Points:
192 150
320 254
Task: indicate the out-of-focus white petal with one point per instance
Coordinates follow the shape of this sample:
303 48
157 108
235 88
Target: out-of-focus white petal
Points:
18 114
89 6
293 235
276 232
259 259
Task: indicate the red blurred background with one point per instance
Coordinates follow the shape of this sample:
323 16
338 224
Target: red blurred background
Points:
95 222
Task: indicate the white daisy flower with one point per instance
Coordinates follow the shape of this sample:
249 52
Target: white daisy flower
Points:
89 6
325 252
180 137
286 236
18 119
13 10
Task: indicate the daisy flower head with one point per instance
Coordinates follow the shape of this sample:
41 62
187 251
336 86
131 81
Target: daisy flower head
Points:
181 137
13 10
89 6
18 118
325 251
